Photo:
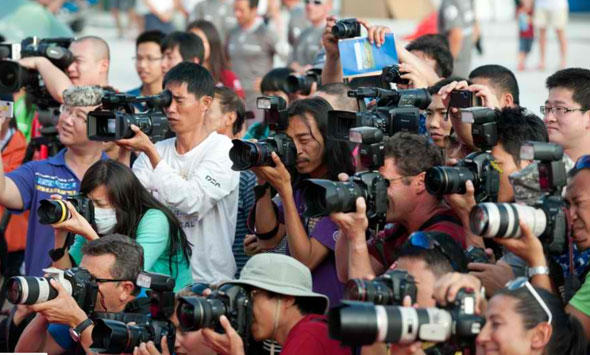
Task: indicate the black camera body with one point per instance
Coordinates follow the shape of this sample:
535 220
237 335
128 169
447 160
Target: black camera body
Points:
391 74
56 211
233 301
387 289
77 282
113 120
303 83
246 155
484 126
477 255
464 99
113 335
346 28
357 323
479 167
546 218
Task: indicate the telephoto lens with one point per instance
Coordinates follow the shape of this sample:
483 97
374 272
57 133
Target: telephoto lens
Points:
323 197
346 28
56 211
195 313
246 155
116 337
444 180
387 289
501 220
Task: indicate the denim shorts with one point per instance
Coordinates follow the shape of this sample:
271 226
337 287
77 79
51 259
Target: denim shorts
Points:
525 44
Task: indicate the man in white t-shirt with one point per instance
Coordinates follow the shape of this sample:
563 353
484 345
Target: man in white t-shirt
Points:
192 174
551 13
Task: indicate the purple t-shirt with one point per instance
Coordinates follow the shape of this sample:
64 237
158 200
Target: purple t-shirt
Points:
38 180
322 229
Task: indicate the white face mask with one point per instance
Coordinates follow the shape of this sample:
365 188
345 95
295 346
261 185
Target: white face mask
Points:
105 220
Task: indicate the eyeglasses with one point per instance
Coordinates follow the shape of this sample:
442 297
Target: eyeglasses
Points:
75 112
520 282
559 111
149 59
423 241
109 280
393 180
315 2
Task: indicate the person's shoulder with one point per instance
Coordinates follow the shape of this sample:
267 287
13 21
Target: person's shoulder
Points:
154 213
166 144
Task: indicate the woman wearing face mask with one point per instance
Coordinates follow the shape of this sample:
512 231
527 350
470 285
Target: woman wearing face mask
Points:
122 205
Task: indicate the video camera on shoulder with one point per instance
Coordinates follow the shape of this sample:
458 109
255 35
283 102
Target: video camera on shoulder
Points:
113 120
77 282
246 155
362 323
546 218
114 335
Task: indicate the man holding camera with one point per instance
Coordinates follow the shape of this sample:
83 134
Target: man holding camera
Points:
192 174
410 207
284 309
114 261
310 240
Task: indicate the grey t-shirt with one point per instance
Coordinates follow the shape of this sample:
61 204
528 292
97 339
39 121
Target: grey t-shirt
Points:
297 23
251 53
307 46
458 14
218 12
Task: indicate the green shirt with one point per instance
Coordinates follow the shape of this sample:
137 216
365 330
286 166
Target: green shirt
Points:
581 300
153 235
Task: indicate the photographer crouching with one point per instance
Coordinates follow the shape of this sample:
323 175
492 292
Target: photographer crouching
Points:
103 282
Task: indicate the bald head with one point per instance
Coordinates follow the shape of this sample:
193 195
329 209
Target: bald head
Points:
91 61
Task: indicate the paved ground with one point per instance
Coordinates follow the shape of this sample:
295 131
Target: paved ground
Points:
500 47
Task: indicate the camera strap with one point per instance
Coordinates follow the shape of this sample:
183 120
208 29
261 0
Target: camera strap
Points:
58 253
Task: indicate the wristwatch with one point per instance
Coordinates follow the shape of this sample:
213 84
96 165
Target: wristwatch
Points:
77 331
537 270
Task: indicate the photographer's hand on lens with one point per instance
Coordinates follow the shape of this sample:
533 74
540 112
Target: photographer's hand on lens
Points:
462 203
492 276
278 176
414 75
149 348
414 348
229 343
76 223
528 247
447 287
353 225
63 309
141 142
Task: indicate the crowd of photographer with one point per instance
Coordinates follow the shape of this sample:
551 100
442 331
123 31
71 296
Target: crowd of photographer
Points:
409 212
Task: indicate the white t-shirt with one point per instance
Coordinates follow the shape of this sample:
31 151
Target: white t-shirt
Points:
202 190
551 4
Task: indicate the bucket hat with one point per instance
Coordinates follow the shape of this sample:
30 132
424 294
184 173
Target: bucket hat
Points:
281 274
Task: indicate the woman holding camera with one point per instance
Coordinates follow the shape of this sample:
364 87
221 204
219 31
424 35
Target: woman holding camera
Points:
122 205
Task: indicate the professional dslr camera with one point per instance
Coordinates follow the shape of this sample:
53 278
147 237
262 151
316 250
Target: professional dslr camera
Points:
362 323
546 218
112 333
387 289
77 282
479 167
346 28
233 301
113 120
56 211
303 83
246 155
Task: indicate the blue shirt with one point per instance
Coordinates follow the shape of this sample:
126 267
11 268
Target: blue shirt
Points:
139 106
36 181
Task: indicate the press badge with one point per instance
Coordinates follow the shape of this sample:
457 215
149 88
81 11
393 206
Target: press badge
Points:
6 108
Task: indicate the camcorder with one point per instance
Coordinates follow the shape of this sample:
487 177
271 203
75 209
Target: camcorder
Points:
77 282
323 196
387 289
56 211
233 301
479 167
546 218
246 155
13 76
113 120
112 333
362 323
346 28
303 83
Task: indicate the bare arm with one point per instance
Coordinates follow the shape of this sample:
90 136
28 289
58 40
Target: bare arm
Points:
36 339
582 317
55 79
332 71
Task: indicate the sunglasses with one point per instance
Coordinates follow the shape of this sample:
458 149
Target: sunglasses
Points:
521 282
582 163
424 241
315 2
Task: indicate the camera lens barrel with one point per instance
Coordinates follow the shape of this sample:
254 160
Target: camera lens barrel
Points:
501 220
52 211
444 180
195 313
32 290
